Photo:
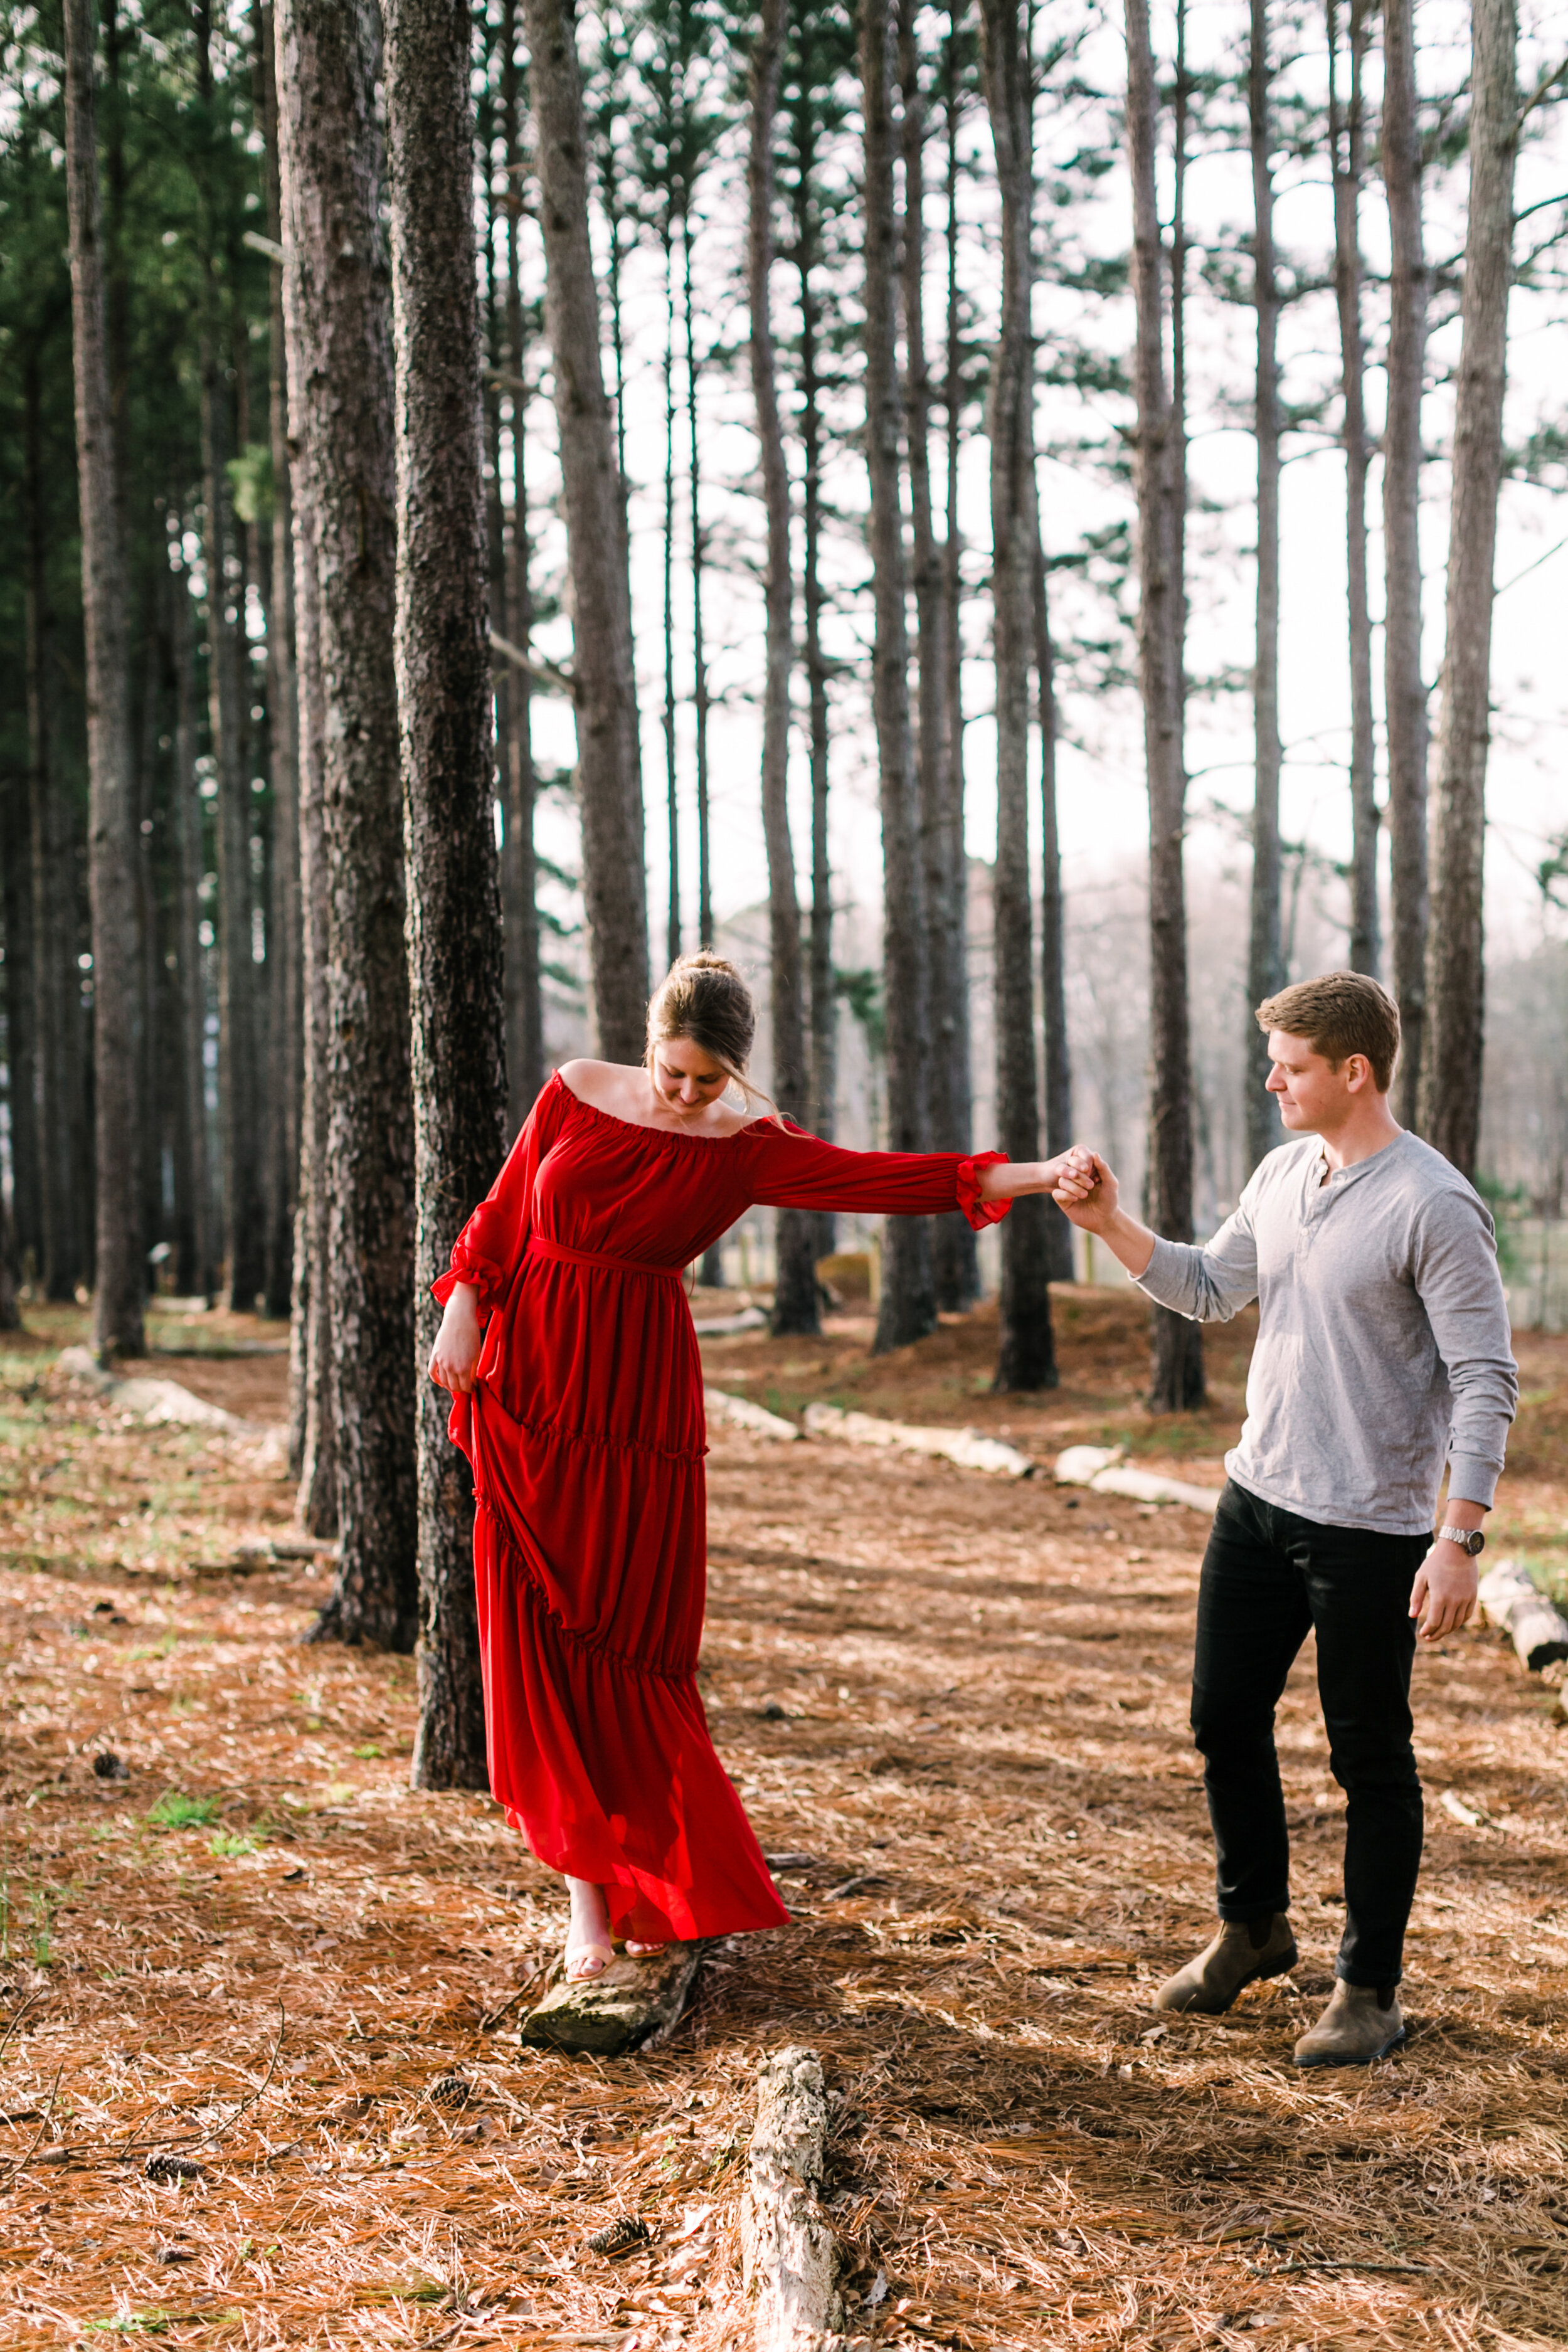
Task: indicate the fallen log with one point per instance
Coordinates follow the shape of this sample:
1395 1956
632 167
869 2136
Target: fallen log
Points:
970 1448
1100 1467
726 1326
721 1406
1516 1605
157 1401
634 2003
788 2250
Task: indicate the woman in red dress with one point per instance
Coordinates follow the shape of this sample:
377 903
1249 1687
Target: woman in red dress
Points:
568 1347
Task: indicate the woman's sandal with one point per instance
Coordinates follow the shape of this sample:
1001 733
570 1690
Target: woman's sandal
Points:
586 1962
644 1951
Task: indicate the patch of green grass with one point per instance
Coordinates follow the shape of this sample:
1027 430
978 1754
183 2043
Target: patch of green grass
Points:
368 1752
1550 1575
174 1810
130 2323
159 1649
228 1845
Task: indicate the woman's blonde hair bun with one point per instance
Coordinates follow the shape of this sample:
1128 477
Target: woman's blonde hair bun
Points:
703 997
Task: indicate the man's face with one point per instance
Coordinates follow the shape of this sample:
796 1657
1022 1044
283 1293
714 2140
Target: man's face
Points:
1313 1097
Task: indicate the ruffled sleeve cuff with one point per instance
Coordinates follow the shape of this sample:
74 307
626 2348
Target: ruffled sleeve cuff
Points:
979 1213
478 1273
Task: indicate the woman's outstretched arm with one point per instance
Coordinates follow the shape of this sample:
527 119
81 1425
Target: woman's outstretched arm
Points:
794 1171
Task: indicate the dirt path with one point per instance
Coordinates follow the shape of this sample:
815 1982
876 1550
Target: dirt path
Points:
957 1705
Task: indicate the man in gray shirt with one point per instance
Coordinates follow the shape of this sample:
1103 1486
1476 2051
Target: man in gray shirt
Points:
1383 1352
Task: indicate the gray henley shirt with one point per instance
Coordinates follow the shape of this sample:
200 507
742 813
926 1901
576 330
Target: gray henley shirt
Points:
1382 1339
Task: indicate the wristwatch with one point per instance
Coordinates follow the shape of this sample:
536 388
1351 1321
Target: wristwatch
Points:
1468 1540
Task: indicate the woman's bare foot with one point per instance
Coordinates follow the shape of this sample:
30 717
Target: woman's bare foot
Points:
642 1951
589 1950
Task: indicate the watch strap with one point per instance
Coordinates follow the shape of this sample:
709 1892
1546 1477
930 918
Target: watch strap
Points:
1468 1540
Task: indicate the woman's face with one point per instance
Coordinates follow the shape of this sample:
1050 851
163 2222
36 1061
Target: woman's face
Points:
685 1079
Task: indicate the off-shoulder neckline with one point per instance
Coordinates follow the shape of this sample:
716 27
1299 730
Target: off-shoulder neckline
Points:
636 1127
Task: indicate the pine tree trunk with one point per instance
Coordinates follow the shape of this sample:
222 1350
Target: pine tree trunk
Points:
1348 150
794 1288
1053 913
615 886
701 698
953 1258
116 1321
671 772
823 1095
1404 688
1177 1370
56 1174
10 1312
239 1058
26 949
313 1434
962 1266
21 1003
340 382
908 1309
196 1271
1265 963
448 765
519 872
1456 970
284 1070
1025 1354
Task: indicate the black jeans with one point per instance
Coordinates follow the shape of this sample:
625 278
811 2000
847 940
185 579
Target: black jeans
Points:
1269 1578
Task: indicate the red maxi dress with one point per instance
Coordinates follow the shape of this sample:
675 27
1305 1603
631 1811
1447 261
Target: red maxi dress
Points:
586 1435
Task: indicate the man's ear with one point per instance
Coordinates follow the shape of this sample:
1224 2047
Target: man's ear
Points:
1358 1073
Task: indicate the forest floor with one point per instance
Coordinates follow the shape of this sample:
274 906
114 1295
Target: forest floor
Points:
956 1705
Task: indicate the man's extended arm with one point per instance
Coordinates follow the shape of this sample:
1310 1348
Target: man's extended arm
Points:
1208 1284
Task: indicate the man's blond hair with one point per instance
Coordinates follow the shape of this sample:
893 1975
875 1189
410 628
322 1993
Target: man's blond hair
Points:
1338 1014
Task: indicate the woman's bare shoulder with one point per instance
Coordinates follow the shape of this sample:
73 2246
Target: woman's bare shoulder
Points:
599 1083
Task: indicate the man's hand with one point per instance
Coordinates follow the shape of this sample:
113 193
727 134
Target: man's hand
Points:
1087 1191
1088 1194
1444 1593
454 1357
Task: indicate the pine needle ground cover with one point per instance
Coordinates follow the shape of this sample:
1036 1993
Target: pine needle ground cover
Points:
260 2081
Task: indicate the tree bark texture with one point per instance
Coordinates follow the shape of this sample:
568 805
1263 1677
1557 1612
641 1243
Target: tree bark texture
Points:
1025 1354
519 871
240 995
196 1267
702 697
448 768
954 1264
54 927
1456 971
1347 149
1404 688
824 991
117 1320
1347 146
312 1431
1053 912
340 388
21 1010
958 1264
1177 1382
284 1061
1265 961
615 886
907 1308
671 768
794 1293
